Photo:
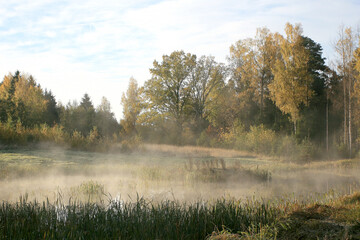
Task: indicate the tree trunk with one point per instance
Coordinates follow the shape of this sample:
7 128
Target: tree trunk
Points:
345 125
327 123
349 118
262 98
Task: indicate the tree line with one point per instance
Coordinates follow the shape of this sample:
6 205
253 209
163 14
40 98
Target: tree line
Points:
30 114
272 85
275 94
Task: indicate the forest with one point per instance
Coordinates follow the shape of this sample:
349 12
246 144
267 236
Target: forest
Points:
276 95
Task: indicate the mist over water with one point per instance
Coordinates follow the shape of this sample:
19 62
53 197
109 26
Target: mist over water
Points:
159 172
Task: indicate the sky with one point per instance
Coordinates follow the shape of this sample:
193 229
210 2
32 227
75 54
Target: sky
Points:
73 47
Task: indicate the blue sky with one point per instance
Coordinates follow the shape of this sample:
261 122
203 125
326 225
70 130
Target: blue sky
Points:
78 46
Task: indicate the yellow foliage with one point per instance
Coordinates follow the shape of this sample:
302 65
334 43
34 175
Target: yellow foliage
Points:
291 86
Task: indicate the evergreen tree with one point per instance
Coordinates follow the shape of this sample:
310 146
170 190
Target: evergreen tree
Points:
105 120
51 115
86 115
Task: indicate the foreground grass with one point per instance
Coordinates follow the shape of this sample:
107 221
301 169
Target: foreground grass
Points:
221 219
337 219
304 214
138 220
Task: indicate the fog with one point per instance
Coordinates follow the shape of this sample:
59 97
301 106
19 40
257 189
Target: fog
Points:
159 172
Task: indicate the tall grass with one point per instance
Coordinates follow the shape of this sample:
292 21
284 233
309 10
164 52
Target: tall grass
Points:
284 218
140 219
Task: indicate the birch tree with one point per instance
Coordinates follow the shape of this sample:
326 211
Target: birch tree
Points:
291 86
345 47
132 106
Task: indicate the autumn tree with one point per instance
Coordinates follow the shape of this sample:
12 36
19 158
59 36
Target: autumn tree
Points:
23 99
291 87
356 93
132 106
242 71
7 95
265 57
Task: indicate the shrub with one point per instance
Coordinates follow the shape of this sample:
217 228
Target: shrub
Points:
130 144
307 151
77 140
204 139
93 137
288 148
261 140
234 137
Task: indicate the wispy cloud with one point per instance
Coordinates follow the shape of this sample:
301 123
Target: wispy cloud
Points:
73 47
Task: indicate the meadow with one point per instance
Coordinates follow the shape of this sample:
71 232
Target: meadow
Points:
167 192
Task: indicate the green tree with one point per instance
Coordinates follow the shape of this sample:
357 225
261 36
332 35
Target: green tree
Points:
168 91
223 107
313 117
105 119
10 101
205 78
51 115
87 115
79 117
69 117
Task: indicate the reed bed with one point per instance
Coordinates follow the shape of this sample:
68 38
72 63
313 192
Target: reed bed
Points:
140 219
323 216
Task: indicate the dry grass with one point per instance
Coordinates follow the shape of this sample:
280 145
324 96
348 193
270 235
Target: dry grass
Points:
195 151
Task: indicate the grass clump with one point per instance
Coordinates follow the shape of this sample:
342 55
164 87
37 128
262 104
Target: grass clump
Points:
90 191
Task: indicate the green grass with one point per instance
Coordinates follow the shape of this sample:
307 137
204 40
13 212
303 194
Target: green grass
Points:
140 219
335 218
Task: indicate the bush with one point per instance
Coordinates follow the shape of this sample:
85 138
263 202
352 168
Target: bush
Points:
77 140
130 144
287 147
54 134
261 140
308 150
293 151
204 139
234 137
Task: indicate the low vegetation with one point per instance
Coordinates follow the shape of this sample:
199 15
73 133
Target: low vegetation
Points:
169 192
145 219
